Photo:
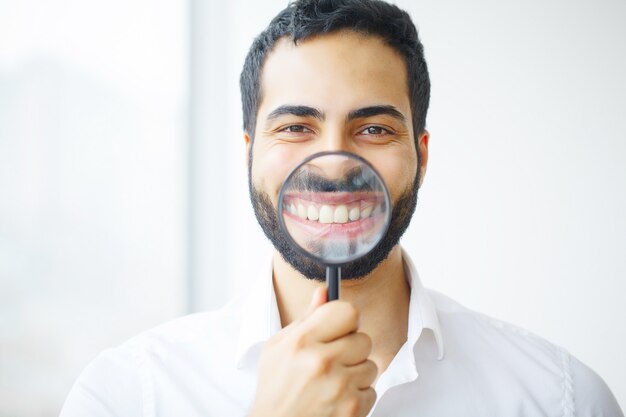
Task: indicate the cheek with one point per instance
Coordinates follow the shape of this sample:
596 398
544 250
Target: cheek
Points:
397 171
271 166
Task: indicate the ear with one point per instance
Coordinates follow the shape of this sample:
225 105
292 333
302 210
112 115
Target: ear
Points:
422 144
246 139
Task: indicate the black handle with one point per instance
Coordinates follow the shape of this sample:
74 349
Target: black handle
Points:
333 280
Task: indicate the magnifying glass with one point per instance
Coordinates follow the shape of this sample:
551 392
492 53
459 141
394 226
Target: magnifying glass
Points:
334 208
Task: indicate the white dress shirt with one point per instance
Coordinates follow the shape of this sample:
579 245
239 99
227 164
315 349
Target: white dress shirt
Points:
206 365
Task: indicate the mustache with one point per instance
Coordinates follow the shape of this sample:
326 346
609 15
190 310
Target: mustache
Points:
354 180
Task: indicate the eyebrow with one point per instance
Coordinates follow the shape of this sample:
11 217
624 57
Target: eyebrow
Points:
307 111
376 111
301 111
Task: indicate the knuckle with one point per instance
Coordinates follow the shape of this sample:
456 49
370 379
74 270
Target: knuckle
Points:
366 341
372 367
370 397
368 371
318 364
299 341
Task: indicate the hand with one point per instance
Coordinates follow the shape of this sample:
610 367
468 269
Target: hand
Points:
317 366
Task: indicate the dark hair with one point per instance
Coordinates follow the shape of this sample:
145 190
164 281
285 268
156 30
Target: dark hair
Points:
302 19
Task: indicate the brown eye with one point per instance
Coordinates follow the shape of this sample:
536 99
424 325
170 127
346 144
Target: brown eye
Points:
296 129
374 130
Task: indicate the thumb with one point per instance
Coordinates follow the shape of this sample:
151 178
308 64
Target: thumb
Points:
320 296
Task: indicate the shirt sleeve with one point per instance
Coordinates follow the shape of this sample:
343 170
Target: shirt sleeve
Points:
592 397
110 386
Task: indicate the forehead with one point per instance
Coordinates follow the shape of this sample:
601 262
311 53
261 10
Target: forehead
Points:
334 72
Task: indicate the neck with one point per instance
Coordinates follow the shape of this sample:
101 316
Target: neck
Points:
382 299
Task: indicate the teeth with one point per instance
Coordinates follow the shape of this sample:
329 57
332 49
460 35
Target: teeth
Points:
355 214
332 214
326 214
312 213
302 212
341 214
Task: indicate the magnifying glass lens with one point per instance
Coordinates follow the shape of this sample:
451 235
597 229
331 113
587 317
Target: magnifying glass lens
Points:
334 207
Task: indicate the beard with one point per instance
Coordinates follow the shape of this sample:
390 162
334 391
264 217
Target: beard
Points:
402 213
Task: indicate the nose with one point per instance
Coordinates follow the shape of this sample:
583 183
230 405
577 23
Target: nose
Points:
333 166
334 140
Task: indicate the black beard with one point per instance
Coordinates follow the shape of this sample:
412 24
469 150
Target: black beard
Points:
402 213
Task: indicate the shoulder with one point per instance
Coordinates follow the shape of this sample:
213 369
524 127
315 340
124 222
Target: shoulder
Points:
192 328
119 381
467 323
204 336
105 386
592 396
521 359
474 336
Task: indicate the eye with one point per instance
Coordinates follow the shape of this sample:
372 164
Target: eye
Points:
375 131
296 129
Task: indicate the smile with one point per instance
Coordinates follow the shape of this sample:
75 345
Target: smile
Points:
332 208
334 216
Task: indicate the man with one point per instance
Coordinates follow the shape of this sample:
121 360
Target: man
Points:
325 76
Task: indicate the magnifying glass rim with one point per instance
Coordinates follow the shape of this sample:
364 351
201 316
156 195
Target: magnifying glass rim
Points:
299 248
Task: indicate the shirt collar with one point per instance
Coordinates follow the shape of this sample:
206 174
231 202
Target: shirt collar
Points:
260 318
422 312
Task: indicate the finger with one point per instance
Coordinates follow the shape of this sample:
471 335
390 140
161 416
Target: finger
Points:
349 350
363 375
319 298
331 321
367 399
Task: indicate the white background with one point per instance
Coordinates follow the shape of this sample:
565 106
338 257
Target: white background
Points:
92 186
123 195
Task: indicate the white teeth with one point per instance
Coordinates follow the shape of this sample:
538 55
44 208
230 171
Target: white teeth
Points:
341 214
377 210
326 214
355 214
312 213
330 213
301 211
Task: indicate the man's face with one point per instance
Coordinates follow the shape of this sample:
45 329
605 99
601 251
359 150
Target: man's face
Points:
341 91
